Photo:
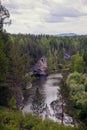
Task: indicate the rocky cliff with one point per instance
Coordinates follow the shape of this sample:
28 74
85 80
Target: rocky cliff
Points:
40 68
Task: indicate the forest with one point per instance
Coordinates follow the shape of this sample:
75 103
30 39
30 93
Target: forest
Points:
19 52
66 55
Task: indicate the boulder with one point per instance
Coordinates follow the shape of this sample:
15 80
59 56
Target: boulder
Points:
29 85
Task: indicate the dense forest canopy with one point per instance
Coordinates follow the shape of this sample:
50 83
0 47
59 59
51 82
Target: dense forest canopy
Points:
19 52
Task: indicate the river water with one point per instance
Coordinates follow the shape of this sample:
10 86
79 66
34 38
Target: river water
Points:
44 99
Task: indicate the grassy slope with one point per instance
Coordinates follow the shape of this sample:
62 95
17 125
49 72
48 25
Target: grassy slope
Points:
15 120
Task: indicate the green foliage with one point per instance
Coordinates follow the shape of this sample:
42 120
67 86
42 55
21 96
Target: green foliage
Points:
10 120
19 52
3 61
5 96
3 64
77 91
38 104
4 91
73 76
77 63
33 47
12 103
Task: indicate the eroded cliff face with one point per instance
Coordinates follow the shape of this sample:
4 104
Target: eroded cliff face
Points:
40 68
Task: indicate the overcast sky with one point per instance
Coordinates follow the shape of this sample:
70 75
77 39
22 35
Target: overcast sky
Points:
47 16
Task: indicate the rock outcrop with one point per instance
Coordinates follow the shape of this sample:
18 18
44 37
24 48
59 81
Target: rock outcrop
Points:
29 85
40 68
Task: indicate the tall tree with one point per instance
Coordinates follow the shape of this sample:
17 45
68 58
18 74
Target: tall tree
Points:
38 104
16 71
4 14
77 63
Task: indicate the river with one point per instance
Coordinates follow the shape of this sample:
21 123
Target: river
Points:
44 99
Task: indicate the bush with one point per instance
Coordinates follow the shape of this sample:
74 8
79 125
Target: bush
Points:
15 120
